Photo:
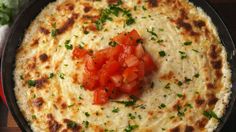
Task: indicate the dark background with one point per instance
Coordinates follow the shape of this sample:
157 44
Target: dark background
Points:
225 8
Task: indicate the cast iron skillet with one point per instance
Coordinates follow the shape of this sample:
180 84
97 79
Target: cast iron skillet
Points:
33 8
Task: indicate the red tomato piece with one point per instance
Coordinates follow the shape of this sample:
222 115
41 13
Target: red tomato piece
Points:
131 61
111 67
120 38
90 64
129 87
139 51
149 65
130 74
100 96
90 81
117 80
134 36
79 53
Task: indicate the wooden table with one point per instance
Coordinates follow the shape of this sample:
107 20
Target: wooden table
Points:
226 9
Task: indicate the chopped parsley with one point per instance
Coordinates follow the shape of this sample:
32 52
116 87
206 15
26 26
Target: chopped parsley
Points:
127 103
152 85
144 8
161 106
187 43
115 110
86 124
62 75
189 105
54 30
68 46
152 32
197 75
162 53
179 95
21 77
71 105
34 117
31 83
112 43
210 114
115 9
183 55
187 80
130 128
160 41
131 116
180 83
180 113
87 114
51 75
71 124
167 86
195 50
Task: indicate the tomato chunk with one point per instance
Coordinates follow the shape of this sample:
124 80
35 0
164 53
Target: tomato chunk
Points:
79 53
117 70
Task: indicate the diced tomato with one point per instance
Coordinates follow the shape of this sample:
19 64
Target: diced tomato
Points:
100 96
79 53
131 60
130 74
120 38
117 80
90 64
134 36
129 87
117 70
149 65
139 51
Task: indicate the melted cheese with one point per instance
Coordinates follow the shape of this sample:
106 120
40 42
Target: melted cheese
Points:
64 98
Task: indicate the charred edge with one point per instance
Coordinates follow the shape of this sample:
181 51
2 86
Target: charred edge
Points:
87 8
152 3
202 123
199 101
43 57
199 23
53 125
218 74
44 30
40 82
38 102
176 129
189 129
210 86
217 64
212 99
213 52
68 24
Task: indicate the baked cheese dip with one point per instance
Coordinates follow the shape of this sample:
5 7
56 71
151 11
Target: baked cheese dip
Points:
122 66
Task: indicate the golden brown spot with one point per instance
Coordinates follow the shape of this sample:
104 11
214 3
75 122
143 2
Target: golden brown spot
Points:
32 63
199 101
90 27
92 18
43 57
68 24
63 105
177 105
167 76
211 99
202 123
44 30
58 100
35 42
217 64
199 23
214 51
218 74
210 86
87 8
152 3
176 129
65 6
75 78
38 102
40 82
53 125
189 129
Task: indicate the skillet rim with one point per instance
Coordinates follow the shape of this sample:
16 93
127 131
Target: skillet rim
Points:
11 100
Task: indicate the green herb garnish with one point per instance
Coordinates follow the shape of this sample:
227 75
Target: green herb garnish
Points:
183 55
131 116
62 75
187 43
87 114
210 114
115 110
161 106
71 124
162 53
86 124
31 83
130 128
167 86
112 43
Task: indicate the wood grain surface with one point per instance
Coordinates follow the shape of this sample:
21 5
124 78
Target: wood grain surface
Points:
227 11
